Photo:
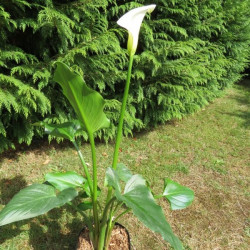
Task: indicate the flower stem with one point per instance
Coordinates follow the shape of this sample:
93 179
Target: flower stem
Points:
103 225
120 124
94 196
123 109
85 167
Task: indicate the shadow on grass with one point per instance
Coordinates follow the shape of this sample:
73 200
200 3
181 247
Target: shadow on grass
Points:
244 100
10 231
49 233
38 145
56 230
45 231
9 187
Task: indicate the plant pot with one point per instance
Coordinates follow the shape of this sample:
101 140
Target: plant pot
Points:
120 239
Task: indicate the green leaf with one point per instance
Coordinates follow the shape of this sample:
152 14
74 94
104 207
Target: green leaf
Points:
138 197
87 103
85 205
34 200
112 179
179 196
65 130
87 193
135 180
65 180
123 172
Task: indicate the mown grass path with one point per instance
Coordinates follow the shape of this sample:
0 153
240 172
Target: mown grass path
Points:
207 151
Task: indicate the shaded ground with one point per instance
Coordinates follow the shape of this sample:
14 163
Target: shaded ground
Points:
208 152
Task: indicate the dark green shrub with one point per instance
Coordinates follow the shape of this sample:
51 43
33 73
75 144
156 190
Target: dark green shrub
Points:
192 50
35 35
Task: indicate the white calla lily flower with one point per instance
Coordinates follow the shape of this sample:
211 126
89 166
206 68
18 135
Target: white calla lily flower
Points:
132 21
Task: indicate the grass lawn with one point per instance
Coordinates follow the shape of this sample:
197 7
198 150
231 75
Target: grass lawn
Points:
207 151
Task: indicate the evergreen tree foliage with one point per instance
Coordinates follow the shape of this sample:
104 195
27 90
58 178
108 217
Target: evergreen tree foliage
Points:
189 51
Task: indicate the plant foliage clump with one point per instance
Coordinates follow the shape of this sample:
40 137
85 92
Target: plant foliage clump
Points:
189 52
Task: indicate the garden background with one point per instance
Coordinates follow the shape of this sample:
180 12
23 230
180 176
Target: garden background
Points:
189 52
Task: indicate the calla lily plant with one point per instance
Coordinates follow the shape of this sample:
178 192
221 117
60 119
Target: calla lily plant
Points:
60 188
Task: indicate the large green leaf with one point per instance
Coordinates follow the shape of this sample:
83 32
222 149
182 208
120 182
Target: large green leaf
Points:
138 197
87 103
123 172
65 130
34 200
112 179
65 180
179 196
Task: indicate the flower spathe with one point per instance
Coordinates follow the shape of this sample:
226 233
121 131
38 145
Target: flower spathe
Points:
132 21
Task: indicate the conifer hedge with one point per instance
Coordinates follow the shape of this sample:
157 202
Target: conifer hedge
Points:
189 51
